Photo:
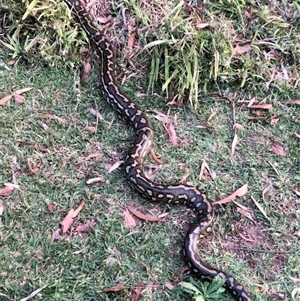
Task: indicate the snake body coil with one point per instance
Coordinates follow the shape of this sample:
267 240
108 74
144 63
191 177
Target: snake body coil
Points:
183 194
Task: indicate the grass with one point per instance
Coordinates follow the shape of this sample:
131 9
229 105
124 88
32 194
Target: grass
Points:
263 255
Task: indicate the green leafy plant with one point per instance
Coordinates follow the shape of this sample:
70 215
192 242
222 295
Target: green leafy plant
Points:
204 291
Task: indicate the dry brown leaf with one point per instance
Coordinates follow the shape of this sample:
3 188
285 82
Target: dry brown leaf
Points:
32 170
184 177
95 180
91 156
86 226
143 216
172 133
43 125
212 115
137 292
205 166
202 25
21 91
9 97
154 157
18 98
288 102
7 190
234 144
169 285
96 114
163 118
115 166
175 103
240 49
1 207
116 288
51 207
278 149
257 117
131 40
91 129
238 126
86 71
50 116
5 99
274 120
246 213
266 190
129 220
35 292
266 106
277 296
42 149
67 222
238 193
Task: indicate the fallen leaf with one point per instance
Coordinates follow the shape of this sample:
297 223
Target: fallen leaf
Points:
131 40
274 120
91 156
83 228
129 220
1 207
202 25
104 20
266 190
277 296
261 209
240 49
143 216
96 114
257 117
266 106
278 149
154 157
5 99
205 166
7 190
115 166
212 115
288 102
172 133
18 98
238 193
34 293
21 91
67 222
10 96
51 207
116 288
91 129
86 71
95 180
137 292
238 126
169 285
184 177
234 144
43 125
247 214
50 116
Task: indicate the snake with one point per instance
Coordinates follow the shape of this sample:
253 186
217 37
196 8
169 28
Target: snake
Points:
184 194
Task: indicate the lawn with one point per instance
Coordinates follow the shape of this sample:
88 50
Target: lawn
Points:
238 114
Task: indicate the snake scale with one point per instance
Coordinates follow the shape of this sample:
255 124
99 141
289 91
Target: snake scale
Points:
133 163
